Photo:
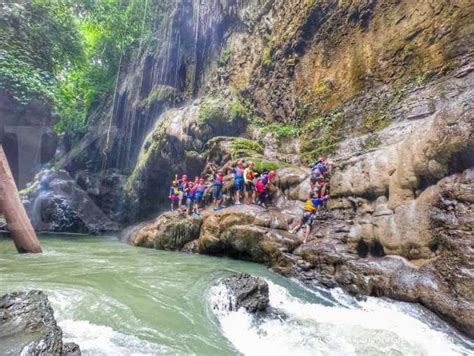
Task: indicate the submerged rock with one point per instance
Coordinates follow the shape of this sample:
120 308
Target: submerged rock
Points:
27 326
248 292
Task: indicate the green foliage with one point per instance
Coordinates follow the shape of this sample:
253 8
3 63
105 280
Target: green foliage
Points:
267 56
373 141
210 112
68 52
23 80
244 144
237 110
281 130
321 135
421 79
375 121
320 89
261 166
226 56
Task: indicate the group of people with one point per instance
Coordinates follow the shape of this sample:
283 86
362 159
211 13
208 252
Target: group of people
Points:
248 186
318 196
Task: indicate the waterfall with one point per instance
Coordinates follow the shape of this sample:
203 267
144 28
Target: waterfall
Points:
155 82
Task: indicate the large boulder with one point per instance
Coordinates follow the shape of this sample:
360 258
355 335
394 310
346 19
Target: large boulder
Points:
247 292
247 232
56 202
28 327
170 231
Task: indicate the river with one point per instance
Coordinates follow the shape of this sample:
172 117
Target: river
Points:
114 299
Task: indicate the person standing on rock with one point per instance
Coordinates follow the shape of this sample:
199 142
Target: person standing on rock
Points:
183 188
174 193
309 216
239 181
249 178
261 188
217 194
191 192
199 195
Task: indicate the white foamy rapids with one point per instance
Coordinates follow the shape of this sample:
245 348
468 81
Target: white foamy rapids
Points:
96 339
103 340
373 327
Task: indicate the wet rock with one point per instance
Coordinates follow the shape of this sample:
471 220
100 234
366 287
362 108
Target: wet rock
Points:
71 349
170 231
247 292
56 202
28 326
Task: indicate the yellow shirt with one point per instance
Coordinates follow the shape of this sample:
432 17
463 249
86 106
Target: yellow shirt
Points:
309 206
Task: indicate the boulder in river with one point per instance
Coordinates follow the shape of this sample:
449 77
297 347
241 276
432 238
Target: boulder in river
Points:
248 292
28 326
170 231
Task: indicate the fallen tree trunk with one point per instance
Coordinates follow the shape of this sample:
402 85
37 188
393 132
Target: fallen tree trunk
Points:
11 206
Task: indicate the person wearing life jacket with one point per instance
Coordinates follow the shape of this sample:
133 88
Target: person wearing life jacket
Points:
249 178
309 215
261 187
174 193
199 195
217 194
183 188
239 181
319 179
191 191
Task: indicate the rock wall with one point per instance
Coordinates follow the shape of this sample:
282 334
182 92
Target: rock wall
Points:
337 71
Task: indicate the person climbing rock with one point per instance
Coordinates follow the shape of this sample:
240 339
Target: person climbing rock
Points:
309 216
199 196
239 181
261 188
182 187
319 178
174 193
249 178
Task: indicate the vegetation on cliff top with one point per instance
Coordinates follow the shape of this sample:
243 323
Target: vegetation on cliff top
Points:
68 53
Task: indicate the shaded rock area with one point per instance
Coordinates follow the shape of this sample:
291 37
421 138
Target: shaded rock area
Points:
247 292
28 327
56 202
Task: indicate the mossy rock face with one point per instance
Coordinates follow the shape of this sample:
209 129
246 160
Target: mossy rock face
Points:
220 116
180 143
161 94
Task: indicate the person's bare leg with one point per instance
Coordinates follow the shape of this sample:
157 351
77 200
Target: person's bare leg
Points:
296 228
307 232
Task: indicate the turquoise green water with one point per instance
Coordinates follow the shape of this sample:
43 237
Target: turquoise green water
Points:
114 299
